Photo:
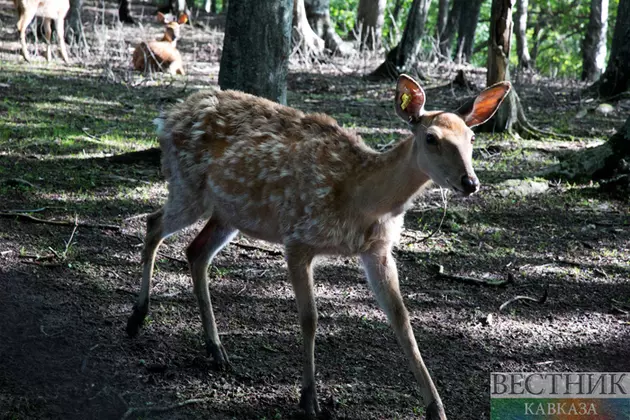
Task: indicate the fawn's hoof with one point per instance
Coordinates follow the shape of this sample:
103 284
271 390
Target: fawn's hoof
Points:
219 357
308 401
135 321
435 411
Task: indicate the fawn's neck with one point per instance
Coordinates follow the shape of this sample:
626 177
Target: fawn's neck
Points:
167 38
390 181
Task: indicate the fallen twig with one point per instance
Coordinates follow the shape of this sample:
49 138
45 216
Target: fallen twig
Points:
474 281
540 300
175 259
144 410
58 222
27 211
257 248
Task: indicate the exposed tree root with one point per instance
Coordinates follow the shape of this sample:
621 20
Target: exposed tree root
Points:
34 219
474 281
540 300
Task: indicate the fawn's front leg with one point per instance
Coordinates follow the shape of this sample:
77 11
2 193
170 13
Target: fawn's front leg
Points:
382 275
299 262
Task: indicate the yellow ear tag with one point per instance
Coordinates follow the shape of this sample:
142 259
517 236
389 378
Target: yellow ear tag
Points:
406 99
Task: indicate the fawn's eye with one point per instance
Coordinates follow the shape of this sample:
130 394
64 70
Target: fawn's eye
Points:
472 139
432 139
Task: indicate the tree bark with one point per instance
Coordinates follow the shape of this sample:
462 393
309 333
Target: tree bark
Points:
256 51
403 57
520 31
442 18
124 14
318 15
615 79
446 41
509 117
210 6
467 28
304 38
594 45
369 26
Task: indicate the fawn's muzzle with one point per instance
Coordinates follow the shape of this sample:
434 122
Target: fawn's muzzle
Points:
470 184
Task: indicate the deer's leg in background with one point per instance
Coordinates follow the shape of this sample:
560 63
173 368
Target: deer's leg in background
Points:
62 38
48 36
26 17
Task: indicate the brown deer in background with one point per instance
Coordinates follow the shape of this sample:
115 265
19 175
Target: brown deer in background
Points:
49 10
247 164
162 55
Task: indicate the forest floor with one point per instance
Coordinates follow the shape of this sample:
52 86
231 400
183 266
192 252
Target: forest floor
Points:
66 290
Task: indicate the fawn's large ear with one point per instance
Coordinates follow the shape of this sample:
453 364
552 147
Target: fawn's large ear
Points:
486 104
160 17
410 98
183 18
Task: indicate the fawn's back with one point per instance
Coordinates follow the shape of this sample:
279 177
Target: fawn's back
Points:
53 9
270 171
162 55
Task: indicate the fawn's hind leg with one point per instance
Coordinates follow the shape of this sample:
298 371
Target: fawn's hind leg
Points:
26 18
212 238
160 225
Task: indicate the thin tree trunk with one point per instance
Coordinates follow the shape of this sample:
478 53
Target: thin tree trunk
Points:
403 57
124 13
615 80
467 28
520 32
500 38
442 18
446 41
507 116
369 26
224 6
210 6
318 15
594 46
256 51
396 11
304 38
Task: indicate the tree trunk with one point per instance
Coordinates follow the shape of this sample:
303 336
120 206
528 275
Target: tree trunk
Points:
224 6
615 80
446 41
124 14
74 26
397 9
403 57
467 28
509 114
304 38
442 18
520 31
609 164
594 45
256 51
369 26
210 6
318 15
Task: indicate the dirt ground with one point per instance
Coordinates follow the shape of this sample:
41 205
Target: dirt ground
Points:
66 291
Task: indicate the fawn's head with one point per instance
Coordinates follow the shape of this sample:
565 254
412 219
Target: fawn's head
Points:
444 140
171 25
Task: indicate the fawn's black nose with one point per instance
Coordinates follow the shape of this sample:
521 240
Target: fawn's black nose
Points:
470 184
